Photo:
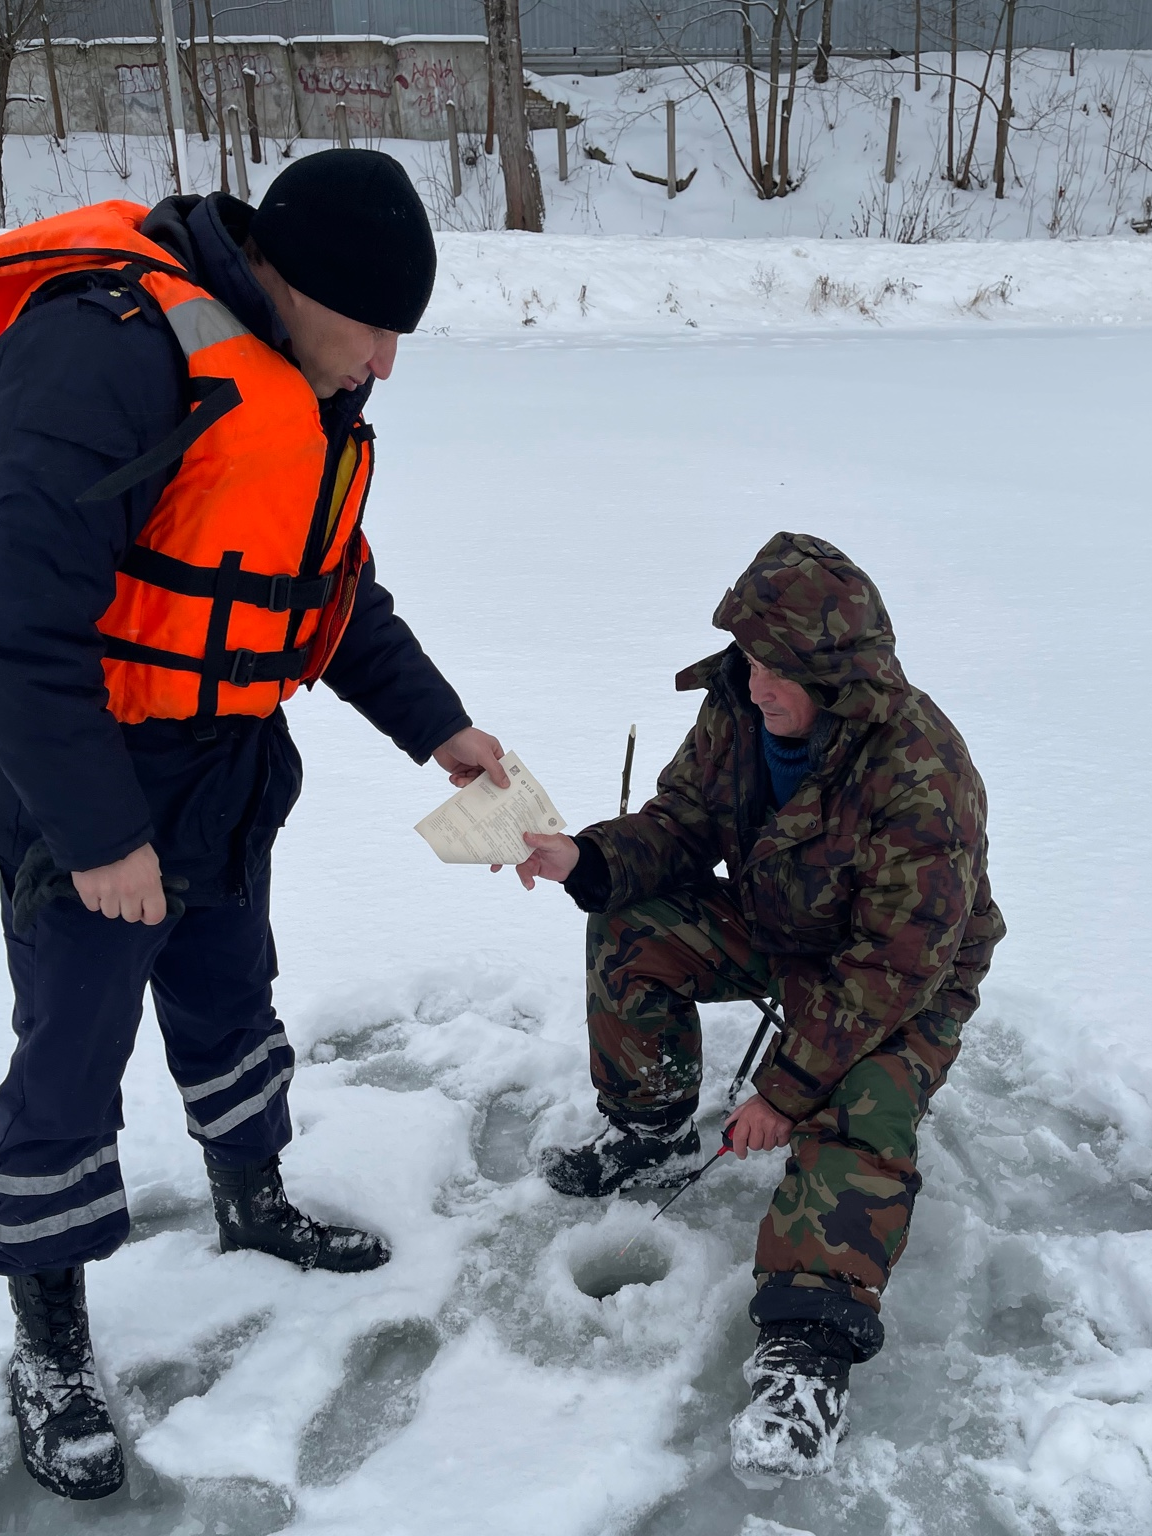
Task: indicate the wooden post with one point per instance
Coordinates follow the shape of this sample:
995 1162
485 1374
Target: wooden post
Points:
893 140
454 151
53 82
670 113
342 125
562 139
250 105
1072 59
175 96
238 153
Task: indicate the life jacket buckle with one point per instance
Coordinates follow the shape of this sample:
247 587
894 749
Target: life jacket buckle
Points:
280 594
243 668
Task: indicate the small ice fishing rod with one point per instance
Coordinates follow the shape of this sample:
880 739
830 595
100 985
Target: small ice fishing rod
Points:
726 1139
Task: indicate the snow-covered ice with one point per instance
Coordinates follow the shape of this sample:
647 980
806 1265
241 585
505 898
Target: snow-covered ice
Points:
558 521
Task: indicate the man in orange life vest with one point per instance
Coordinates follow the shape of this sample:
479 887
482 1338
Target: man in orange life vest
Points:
183 472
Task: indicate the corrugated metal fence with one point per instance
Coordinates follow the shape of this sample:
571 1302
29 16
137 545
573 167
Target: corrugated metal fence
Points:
595 30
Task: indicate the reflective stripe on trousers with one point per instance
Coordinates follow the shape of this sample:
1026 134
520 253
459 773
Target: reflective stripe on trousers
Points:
79 980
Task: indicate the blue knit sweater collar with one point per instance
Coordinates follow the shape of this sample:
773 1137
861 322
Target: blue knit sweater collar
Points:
787 761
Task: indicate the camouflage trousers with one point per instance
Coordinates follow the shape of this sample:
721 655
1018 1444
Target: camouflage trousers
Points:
839 1218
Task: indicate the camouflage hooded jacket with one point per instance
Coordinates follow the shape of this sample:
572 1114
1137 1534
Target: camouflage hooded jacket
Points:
869 889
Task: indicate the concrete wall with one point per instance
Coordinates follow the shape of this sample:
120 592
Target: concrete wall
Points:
391 89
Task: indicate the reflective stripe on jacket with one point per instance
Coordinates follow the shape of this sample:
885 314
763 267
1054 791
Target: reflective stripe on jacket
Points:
241 583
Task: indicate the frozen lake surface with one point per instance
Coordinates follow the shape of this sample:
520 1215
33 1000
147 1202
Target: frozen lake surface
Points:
558 523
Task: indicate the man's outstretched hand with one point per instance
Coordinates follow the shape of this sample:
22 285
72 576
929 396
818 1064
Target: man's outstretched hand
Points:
554 856
756 1127
470 753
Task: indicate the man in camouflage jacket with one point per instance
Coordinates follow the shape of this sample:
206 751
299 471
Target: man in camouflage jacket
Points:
860 899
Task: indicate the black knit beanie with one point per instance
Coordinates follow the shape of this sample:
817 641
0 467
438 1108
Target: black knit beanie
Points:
347 228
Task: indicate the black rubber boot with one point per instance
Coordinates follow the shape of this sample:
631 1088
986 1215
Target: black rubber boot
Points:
799 1379
252 1211
623 1155
66 1436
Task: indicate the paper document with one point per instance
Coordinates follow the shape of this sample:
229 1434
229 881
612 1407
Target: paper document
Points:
485 825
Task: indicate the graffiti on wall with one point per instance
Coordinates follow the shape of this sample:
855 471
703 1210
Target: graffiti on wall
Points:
144 79
233 67
432 81
345 79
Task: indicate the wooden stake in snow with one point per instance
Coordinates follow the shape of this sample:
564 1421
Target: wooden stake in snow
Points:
250 107
893 141
238 153
175 96
454 151
342 125
53 82
670 113
562 139
1072 59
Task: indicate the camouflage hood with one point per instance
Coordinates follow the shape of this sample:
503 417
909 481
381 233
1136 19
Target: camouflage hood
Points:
803 609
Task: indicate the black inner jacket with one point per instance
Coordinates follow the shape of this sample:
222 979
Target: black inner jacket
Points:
84 389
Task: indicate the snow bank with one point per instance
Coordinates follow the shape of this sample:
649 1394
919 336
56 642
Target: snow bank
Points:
626 286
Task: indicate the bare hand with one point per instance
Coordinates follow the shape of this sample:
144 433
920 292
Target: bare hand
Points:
130 888
470 753
756 1127
555 857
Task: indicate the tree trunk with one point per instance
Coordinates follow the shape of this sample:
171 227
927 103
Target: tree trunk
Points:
522 191
210 28
919 39
194 73
1005 115
951 172
824 46
750 90
964 180
789 103
773 98
5 71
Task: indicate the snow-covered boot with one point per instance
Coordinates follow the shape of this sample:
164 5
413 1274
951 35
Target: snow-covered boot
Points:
66 1435
799 1379
252 1211
621 1156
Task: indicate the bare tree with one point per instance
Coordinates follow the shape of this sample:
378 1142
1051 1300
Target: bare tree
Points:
787 106
954 40
1004 115
824 46
919 42
750 90
523 194
20 20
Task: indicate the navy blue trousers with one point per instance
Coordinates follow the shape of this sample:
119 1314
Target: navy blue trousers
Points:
79 980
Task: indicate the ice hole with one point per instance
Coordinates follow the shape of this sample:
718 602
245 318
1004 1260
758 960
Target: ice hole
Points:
378 1397
501 1147
606 1273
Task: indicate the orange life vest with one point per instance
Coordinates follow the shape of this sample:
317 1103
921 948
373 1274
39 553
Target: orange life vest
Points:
241 583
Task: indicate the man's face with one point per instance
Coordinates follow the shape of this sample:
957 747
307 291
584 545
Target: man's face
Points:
786 706
333 351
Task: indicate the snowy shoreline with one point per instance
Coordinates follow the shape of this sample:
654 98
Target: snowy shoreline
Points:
576 286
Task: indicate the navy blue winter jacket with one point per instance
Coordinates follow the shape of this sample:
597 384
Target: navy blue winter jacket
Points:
84 390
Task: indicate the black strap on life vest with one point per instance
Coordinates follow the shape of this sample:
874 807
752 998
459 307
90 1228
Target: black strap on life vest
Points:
146 263
216 396
278 594
240 668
